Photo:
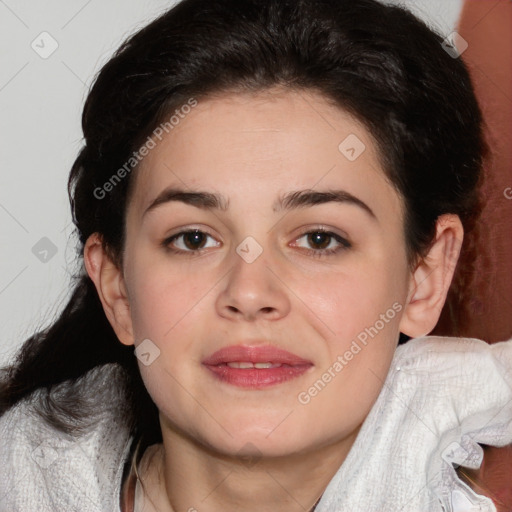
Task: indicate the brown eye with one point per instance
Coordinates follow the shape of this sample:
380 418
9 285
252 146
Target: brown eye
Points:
319 239
324 243
187 241
194 240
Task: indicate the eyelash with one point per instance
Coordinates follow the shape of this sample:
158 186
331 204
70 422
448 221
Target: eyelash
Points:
344 244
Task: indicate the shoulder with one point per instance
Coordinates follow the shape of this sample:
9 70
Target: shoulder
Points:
442 400
448 349
459 365
463 392
461 376
43 468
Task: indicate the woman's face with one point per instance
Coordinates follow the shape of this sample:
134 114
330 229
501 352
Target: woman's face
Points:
261 274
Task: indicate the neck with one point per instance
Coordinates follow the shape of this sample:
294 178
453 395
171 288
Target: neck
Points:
182 476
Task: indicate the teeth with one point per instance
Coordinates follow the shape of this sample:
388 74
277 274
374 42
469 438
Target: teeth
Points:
240 365
252 365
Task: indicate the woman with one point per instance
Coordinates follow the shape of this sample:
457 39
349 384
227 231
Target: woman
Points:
270 197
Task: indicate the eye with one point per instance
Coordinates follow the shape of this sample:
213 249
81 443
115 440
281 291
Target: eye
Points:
328 243
324 242
191 240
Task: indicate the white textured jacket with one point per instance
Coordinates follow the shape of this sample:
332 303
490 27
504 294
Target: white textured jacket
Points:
441 398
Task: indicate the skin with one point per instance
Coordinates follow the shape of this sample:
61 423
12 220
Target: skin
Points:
252 149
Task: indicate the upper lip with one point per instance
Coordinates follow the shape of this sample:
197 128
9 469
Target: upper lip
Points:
254 354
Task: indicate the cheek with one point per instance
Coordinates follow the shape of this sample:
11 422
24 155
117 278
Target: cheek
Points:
361 309
358 361
351 300
161 299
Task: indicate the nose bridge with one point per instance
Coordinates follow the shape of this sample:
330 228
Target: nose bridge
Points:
251 288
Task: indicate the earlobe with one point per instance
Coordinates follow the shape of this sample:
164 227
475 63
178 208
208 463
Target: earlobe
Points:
109 282
431 279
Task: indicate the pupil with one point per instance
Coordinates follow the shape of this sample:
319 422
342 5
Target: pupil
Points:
317 238
195 237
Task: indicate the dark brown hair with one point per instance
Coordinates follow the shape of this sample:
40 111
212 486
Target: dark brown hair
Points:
376 61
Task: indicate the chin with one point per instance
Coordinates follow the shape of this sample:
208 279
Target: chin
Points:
258 441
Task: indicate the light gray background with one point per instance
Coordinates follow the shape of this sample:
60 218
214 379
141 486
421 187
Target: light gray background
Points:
40 135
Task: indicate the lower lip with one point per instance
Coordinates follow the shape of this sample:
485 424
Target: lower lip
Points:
257 378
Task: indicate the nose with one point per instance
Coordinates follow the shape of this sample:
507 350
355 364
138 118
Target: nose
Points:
253 290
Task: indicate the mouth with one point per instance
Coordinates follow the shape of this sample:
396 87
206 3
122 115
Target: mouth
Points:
255 366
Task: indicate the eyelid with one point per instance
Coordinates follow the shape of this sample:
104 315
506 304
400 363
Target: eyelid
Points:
181 232
341 240
322 228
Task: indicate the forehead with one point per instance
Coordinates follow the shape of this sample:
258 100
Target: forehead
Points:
264 143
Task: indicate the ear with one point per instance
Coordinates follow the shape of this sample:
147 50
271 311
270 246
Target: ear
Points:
109 282
430 281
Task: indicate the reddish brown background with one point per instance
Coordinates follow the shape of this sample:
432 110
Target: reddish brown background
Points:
487 27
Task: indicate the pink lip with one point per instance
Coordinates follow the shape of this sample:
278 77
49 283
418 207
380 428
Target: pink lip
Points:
292 365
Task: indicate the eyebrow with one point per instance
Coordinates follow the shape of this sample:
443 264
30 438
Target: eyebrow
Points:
289 201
